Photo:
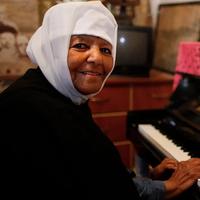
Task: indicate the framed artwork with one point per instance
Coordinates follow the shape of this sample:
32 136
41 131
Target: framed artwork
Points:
15 30
176 23
18 20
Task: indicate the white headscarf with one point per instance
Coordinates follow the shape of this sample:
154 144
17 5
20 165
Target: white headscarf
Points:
48 47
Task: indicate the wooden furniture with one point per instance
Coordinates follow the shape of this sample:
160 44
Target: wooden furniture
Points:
122 94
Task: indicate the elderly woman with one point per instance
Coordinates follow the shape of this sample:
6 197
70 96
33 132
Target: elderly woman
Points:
51 146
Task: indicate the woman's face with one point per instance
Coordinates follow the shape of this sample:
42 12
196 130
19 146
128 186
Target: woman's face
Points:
89 60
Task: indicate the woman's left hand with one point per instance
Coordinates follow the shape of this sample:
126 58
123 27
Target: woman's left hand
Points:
167 164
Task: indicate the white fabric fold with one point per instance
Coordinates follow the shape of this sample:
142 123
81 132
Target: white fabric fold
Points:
48 46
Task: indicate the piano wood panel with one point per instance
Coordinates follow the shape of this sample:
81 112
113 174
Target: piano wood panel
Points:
151 96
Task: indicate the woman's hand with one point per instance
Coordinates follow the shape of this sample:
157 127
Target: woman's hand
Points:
184 176
165 166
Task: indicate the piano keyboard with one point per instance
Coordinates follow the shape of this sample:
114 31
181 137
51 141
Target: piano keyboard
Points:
166 146
160 141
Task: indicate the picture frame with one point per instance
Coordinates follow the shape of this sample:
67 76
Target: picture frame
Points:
176 22
15 32
16 28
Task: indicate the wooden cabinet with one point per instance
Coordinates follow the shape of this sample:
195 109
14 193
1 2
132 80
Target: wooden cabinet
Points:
111 99
113 124
151 95
122 94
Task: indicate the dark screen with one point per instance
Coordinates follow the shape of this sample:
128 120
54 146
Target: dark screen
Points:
133 51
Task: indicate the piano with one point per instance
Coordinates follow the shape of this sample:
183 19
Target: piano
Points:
172 132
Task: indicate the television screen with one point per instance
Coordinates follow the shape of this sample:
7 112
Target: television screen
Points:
134 48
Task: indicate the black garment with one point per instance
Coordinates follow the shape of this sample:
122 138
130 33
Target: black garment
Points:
52 148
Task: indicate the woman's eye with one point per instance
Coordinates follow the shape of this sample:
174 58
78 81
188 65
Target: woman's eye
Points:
80 46
106 51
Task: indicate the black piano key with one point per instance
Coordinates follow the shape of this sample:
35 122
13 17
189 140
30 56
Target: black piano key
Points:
181 135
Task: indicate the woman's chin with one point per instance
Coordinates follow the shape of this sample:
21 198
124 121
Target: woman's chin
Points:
88 90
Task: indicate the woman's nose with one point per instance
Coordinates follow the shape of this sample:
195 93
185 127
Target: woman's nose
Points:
95 55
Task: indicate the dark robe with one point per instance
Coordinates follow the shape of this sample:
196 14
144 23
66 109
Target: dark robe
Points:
51 148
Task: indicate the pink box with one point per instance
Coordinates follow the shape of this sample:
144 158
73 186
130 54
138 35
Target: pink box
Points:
188 60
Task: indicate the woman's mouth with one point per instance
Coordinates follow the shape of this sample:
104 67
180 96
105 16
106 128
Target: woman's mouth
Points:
91 73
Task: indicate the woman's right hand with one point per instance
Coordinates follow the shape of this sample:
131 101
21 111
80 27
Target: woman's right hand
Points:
185 175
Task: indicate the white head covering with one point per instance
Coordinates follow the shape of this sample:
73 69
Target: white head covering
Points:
48 47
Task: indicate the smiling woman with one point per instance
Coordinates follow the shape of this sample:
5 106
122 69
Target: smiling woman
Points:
59 151
75 50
